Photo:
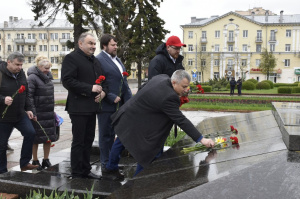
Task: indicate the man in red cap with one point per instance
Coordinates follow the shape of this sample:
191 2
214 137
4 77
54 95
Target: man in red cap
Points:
167 59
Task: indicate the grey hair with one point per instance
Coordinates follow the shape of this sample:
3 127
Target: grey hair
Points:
179 75
84 35
16 55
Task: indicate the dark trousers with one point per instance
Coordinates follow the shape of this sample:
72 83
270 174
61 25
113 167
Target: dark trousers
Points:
232 90
27 131
83 130
239 90
115 155
106 136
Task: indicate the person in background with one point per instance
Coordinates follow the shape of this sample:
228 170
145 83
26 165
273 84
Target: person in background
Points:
239 86
41 97
19 111
167 59
144 122
80 70
119 93
232 85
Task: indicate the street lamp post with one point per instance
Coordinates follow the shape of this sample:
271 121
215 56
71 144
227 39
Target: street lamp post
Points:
196 52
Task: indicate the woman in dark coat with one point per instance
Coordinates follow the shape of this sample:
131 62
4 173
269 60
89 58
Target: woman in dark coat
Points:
41 97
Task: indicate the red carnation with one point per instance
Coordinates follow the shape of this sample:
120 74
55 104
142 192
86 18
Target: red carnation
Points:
21 89
231 127
234 140
125 74
183 100
98 81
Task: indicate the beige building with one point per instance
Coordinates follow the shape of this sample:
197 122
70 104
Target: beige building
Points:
32 38
230 46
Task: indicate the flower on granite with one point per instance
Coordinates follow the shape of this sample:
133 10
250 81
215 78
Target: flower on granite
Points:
234 130
200 89
234 140
20 90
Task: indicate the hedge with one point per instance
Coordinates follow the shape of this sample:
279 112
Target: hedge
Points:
207 88
254 81
248 85
285 84
263 85
296 90
284 90
269 82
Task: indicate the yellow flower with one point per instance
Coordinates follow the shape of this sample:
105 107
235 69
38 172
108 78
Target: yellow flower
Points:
219 140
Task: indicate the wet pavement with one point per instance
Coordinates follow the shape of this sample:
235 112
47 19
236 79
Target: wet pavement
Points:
261 166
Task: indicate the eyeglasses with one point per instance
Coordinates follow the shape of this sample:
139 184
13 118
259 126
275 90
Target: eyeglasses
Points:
176 48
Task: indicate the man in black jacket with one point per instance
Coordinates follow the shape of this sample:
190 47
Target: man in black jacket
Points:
80 69
167 59
12 77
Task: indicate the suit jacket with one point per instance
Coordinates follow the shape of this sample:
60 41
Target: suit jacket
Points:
144 122
115 81
78 74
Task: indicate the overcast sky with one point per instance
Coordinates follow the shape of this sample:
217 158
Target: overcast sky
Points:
176 12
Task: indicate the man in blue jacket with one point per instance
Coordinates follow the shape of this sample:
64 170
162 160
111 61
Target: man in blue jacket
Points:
119 93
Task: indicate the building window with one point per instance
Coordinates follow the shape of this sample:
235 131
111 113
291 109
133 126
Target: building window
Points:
203 62
286 62
54 60
190 34
244 62
217 34
203 48
30 59
230 36
288 33
259 35
230 48
20 36
31 36
216 75
190 62
8 36
217 62
53 36
258 48
43 47
196 76
245 48
272 47
31 48
66 35
65 48
0 36
54 47
8 48
0 47
287 47
257 62
42 36
245 33
203 34
190 47
217 48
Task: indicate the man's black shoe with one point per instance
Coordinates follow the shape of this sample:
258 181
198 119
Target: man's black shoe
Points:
115 173
93 176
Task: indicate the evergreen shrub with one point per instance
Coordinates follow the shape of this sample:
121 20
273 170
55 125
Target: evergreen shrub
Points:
263 85
248 85
284 90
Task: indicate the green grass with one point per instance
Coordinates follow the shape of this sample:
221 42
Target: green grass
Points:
269 91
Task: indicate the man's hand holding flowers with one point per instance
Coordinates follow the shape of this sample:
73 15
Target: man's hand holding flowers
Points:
207 142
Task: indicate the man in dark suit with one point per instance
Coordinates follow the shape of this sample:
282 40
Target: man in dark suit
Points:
80 69
144 122
119 93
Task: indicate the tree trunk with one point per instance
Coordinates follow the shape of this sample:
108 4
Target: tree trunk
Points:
77 22
139 67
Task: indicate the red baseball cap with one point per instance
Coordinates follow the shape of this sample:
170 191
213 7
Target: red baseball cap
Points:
174 41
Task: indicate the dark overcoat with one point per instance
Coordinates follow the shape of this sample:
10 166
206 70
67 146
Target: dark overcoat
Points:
41 98
79 73
144 122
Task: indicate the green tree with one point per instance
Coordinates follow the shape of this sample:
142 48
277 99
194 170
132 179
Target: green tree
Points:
268 63
83 14
137 27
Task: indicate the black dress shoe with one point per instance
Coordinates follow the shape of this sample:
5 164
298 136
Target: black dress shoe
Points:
46 163
37 162
93 176
115 173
